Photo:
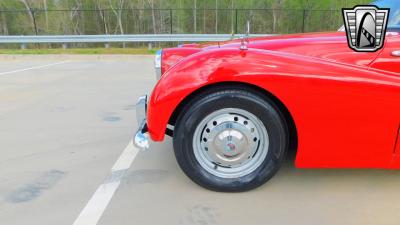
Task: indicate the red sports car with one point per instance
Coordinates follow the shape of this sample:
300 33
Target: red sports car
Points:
234 111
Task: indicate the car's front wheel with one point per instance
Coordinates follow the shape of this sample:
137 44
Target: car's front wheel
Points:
230 140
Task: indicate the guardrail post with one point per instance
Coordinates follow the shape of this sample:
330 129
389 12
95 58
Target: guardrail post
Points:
64 46
150 47
23 46
107 45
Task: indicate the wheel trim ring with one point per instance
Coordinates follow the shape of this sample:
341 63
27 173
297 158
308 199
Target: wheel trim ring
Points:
249 165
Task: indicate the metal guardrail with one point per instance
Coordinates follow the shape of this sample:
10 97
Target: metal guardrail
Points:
148 38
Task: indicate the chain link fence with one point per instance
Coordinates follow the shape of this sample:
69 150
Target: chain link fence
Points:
164 21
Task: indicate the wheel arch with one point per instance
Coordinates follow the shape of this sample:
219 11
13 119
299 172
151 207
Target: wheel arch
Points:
293 138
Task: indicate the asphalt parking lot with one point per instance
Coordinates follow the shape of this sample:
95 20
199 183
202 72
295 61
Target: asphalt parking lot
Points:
66 121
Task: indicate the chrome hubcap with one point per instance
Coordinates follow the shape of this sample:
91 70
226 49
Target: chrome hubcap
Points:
230 143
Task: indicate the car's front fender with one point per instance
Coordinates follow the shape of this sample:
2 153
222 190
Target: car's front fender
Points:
199 70
325 98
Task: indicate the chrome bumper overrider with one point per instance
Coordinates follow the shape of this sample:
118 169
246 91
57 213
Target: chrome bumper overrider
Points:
141 137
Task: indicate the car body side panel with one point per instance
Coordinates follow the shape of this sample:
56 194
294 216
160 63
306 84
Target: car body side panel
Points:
346 116
396 151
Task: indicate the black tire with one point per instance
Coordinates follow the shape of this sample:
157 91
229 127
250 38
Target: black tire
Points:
233 97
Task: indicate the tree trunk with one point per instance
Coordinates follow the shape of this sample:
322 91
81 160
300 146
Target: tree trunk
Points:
204 21
46 14
75 14
121 5
118 15
195 17
4 27
232 18
103 18
275 14
153 16
273 21
31 16
216 16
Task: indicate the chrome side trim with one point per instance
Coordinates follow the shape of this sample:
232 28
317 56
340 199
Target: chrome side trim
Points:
158 63
141 109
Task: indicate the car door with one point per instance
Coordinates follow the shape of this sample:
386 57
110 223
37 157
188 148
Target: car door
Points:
389 60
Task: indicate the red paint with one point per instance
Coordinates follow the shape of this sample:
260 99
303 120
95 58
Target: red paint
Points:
346 112
386 61
396 151
171 56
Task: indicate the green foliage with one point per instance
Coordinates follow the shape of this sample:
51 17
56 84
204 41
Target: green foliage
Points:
47 17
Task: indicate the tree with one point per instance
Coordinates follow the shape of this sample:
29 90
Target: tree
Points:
31 14
118 13
153 15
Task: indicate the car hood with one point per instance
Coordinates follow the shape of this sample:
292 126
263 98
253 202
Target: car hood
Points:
330 46
311 44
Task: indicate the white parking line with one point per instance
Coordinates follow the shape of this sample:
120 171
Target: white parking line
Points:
34 67
94 209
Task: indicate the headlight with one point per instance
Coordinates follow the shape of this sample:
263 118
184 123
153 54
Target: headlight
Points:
157 63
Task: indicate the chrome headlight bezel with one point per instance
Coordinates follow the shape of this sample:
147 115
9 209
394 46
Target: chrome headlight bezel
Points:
158 63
